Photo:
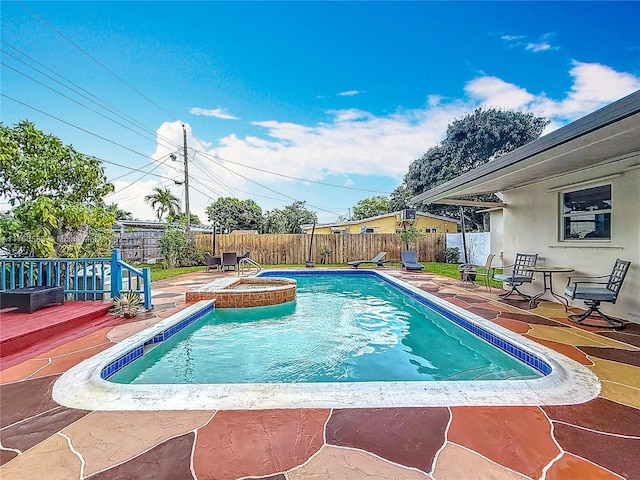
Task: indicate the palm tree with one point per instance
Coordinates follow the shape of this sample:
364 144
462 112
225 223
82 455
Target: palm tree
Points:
119 213
163 201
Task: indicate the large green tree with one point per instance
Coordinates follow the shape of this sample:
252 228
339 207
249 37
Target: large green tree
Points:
471 141
162 200
298 214
288 219
56 194
371 207
229 213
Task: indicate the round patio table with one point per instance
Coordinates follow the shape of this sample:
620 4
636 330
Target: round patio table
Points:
547 279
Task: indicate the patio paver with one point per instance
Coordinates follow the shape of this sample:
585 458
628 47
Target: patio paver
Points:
596 440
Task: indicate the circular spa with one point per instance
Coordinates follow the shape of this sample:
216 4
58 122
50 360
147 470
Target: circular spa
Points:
246 292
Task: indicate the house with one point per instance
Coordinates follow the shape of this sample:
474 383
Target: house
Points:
572 196
389 223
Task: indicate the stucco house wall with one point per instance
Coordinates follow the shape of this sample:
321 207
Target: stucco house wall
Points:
387 224
496 229
533 225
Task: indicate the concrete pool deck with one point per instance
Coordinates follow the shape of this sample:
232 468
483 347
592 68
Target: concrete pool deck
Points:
599 439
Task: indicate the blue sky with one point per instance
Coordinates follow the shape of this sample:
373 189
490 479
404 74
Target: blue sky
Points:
341 93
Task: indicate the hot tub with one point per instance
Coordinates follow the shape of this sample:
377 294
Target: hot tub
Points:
245 292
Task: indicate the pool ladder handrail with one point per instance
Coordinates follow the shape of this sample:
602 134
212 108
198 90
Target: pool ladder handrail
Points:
249 264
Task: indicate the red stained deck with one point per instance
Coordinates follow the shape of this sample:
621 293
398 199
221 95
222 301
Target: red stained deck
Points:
24 334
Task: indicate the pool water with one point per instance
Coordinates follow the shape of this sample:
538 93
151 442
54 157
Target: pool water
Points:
341 328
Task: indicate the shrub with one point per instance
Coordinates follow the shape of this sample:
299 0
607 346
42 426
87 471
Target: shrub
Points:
452 255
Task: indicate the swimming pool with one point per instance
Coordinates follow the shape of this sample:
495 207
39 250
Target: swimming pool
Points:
565 381
342 328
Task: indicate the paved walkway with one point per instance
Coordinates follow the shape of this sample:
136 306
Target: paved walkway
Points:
597 440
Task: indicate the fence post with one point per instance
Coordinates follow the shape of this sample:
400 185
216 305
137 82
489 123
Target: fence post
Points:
146 279
116 273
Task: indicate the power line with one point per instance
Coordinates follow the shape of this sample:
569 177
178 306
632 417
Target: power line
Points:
74 126
95 59
78 89
216 157
77 102
275 191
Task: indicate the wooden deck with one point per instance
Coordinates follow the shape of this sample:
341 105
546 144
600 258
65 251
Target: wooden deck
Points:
25 334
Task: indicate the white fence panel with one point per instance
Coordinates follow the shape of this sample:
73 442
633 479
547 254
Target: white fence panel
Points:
478 246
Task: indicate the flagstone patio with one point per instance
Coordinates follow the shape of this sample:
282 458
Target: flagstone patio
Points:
596 440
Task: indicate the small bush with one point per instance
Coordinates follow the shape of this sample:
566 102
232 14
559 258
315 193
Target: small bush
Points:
452 255
177 252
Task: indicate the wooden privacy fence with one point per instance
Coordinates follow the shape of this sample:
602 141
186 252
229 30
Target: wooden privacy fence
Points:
142 246
294 249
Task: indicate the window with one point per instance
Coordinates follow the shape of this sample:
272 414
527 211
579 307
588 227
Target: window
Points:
430 230
586 214
367 230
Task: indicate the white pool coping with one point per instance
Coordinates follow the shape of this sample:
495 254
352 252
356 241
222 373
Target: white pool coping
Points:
568 383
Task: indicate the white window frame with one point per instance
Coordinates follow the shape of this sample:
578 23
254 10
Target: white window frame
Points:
588 216
431 230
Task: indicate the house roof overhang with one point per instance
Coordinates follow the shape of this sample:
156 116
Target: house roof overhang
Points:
608 135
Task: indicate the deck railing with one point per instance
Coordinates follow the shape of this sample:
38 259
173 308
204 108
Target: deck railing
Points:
82 278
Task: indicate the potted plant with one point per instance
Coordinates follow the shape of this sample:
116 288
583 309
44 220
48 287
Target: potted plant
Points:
127 304
324 254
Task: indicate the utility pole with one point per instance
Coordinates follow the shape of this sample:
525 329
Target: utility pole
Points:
186 185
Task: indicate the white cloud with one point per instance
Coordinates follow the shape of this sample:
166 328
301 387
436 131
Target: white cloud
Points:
494 92
216 112
349 93
539 47
512 38
542 45
357 142
594 86
130 197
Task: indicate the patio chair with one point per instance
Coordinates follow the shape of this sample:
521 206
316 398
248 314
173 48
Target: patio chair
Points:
229 259
378 260
410 261
211 261
594 290
519 274
469 272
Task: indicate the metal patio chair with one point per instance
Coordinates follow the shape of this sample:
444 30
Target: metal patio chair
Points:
519 274
593 290
469 272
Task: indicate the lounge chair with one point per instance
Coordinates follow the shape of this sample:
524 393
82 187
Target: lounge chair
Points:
519 274
211 261
229 259
410 260
378 260
594 290
469 272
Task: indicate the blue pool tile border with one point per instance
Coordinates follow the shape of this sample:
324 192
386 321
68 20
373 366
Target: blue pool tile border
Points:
137 351
528 358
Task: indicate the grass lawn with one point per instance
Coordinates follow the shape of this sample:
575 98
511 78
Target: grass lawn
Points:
450 270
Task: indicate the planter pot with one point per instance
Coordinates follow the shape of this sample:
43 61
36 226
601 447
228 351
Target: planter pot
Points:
309 264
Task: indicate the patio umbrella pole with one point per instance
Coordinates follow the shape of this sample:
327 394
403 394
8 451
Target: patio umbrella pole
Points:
464 240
